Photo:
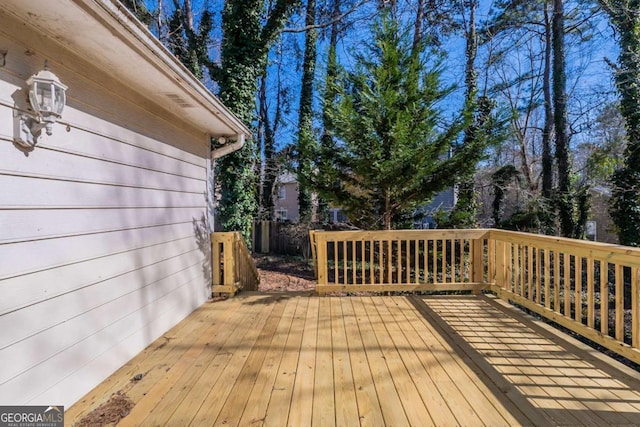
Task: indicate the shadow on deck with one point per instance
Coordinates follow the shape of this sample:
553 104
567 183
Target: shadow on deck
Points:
296 359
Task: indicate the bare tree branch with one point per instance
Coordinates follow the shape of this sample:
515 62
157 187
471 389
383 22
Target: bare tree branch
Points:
325 24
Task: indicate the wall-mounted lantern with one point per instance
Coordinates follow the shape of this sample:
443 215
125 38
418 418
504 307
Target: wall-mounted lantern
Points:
47 98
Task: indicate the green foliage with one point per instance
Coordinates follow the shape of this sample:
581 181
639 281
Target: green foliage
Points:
388 154
606 151
523 220
625 206
487 129
189 45
625 201
500 179
139 9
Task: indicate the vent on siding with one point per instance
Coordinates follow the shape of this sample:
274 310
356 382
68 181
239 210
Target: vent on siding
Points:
183 103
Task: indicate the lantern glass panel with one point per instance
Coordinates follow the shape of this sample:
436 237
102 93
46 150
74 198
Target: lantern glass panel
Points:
41 97
59 100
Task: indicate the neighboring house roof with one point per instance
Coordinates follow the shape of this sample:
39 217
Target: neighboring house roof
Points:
602 190
286 178
108 36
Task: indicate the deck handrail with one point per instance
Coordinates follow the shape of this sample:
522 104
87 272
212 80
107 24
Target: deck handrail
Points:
233 268
399 260
591 288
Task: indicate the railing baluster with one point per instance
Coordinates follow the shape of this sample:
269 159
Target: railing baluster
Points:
529 273
578 289
619 283
538 275
345 262
437 262
363 262
590 293
567 285
444 261
604 297
336 263
397 244
389 262
372 265
354 248
522 270
452 260
635 309
425 253
547 279
407 244
461 275
509 264
416 263
381 261
556 281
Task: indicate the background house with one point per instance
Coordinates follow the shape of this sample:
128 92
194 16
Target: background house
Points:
104 226
444 201
600 226
285 199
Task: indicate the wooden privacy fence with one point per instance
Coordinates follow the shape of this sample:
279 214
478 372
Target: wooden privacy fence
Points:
233 268
591 288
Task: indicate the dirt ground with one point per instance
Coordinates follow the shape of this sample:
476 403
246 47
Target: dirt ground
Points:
284 273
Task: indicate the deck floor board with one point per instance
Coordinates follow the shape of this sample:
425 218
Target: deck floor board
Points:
301 360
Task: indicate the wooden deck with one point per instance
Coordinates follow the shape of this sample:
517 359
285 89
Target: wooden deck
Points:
298 360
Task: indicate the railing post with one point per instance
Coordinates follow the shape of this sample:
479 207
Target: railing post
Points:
500 263
215 260
229 261
477 262
321 250
314 254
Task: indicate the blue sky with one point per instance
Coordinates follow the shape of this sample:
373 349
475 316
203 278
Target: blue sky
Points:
589 77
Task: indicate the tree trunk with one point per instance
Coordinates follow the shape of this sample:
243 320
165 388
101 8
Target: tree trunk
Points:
564 202
547 161
467 203
305 119
417 27
326 141
188 13
159 22
244 51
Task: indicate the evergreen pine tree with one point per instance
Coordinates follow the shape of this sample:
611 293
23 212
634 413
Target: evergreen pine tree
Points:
388 154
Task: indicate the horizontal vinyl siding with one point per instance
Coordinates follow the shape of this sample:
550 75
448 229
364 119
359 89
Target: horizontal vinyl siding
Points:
103 235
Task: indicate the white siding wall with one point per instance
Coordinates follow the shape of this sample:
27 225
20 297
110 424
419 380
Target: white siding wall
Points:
103 234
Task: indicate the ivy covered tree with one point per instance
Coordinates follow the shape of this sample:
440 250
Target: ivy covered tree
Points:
306 138
388 154
188 43
140 10
249 30
625 200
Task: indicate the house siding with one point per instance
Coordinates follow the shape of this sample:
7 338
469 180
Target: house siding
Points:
103 228
289 202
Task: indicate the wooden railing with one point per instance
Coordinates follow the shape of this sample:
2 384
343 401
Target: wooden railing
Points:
591 288
233 268
399 260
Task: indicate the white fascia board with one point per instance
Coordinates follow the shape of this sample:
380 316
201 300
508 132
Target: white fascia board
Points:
109 36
